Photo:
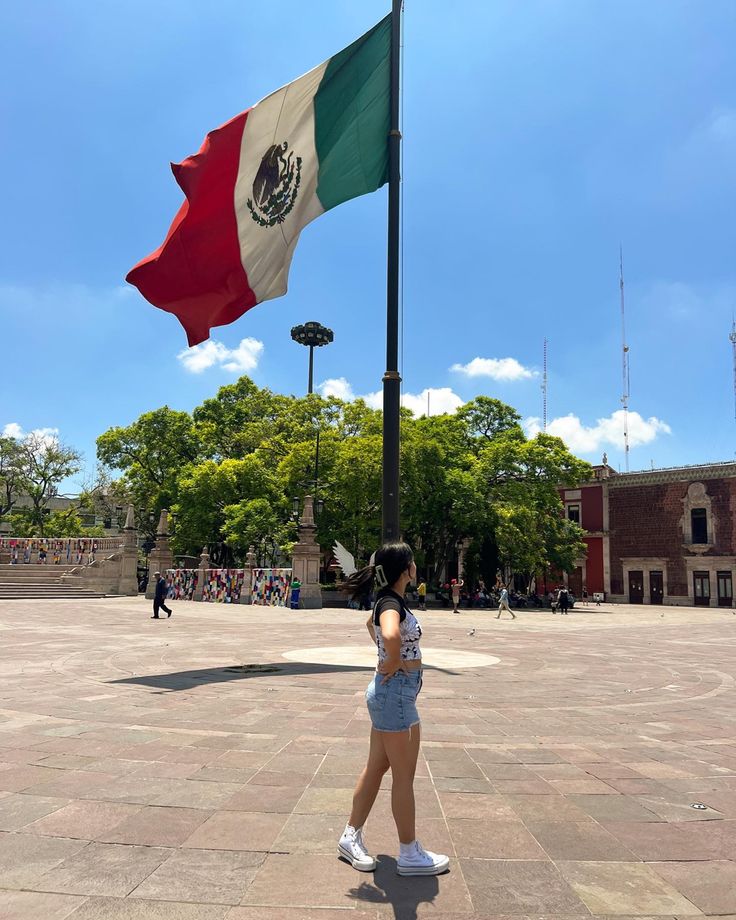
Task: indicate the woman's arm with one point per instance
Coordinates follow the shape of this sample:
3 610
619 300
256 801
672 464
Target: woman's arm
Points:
371 628
391 632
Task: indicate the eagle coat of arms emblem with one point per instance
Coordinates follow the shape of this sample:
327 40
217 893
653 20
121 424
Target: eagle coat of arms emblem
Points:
276 186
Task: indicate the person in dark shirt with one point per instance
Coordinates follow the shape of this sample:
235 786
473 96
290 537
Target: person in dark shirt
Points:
159 598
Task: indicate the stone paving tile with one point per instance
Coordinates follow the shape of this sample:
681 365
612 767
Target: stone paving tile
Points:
491 839
676 807
71 784
655 842
18 810
313 834
469 805
584 840
285 778
546 808
130 909
265 799
23 776
35 905
24 858
231 830
624 888
157 826
301 913
325 801
202 876
500 887
613 808
188 794
561 727
711 886
103 869
83 820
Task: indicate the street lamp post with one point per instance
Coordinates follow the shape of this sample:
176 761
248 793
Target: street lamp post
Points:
313 335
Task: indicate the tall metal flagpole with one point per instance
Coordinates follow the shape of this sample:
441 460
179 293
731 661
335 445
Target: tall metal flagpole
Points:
391 379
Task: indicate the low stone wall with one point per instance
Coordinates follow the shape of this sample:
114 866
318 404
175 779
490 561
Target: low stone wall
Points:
264 587
63 551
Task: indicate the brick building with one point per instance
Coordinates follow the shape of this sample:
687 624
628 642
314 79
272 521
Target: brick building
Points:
661 536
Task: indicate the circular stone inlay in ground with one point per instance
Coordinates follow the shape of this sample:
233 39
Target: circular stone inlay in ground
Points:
365 656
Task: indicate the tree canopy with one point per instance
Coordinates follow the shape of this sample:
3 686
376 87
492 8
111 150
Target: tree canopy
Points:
230 469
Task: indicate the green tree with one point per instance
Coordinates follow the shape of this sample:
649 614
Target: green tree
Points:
45 463
11 472
151 454
205 490
255 522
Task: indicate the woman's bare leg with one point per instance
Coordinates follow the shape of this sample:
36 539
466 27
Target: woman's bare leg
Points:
369 781
402 750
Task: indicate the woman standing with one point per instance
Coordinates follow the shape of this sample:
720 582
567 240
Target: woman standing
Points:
391 697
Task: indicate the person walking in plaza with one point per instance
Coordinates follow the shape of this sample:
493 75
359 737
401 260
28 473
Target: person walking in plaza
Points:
503 603
159 598
563 599
456 584
296 587
422 594
395 726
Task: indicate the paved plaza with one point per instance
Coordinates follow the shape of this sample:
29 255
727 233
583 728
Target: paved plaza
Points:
149 772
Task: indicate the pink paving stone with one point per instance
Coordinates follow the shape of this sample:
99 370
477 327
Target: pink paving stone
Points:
711 886
547 722
34 905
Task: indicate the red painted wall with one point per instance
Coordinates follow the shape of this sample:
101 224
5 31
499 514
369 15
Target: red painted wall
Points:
592 508
594 565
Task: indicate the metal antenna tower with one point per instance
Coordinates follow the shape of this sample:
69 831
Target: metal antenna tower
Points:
732 339
544 384
625 362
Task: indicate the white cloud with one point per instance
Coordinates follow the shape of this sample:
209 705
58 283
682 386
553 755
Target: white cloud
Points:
338 387
495 368
441 399
239 360
45 435
607 432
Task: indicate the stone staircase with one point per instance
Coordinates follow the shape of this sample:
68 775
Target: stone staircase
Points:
22 582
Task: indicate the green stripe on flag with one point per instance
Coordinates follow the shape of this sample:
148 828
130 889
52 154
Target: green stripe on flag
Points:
352 118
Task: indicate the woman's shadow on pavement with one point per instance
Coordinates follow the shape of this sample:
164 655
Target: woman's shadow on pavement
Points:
403 893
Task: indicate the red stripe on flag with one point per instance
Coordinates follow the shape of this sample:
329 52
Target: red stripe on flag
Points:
196 273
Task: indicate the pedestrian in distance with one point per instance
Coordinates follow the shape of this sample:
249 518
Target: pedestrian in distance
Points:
296 587
503 603
563 600
159 598
585 595
455 586
422 594
395 726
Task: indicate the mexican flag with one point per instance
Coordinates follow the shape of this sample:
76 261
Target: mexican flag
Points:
259 179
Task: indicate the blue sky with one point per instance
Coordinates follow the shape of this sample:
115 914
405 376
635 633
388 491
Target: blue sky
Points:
538 136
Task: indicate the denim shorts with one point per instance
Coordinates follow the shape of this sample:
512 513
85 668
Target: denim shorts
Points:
392 706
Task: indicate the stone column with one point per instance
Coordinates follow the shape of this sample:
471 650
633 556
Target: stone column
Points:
246 592
306 559
204 564
128 583
161 558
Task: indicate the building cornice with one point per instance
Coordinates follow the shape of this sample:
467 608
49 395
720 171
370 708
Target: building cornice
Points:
673 474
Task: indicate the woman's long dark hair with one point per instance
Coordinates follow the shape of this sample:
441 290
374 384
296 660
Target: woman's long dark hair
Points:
389 563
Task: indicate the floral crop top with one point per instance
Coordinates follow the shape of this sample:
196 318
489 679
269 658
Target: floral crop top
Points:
409 626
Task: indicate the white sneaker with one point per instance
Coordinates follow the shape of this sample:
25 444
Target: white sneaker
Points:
352 848
421 862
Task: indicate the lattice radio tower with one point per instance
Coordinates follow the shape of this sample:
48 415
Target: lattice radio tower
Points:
625 362
544 385
732 339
